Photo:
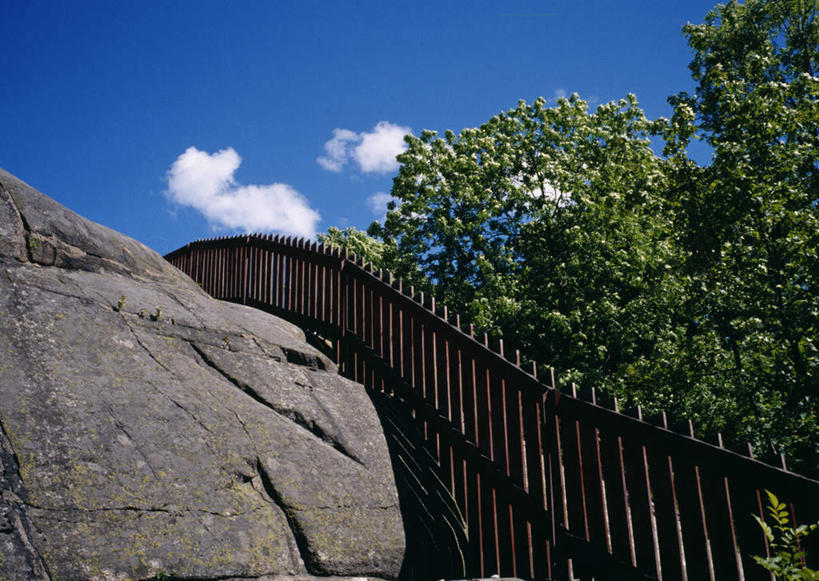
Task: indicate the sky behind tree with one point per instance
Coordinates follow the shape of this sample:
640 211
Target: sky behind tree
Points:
171 121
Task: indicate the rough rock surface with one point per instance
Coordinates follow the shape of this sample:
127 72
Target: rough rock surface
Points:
148 429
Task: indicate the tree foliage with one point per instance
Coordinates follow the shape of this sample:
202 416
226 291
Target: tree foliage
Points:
356 242
748 223
673 285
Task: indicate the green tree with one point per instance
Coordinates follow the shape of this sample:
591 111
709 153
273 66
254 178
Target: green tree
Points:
748 223
669 284
356 242
544 226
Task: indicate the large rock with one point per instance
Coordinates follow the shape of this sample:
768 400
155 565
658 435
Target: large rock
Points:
148 429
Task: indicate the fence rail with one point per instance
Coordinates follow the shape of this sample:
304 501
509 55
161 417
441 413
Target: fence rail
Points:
548 484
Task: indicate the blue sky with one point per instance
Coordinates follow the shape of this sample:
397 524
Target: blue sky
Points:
173 120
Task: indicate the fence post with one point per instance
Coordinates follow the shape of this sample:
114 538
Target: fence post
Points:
245 272
344 293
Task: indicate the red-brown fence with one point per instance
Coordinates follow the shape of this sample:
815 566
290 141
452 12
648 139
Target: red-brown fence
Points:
549 484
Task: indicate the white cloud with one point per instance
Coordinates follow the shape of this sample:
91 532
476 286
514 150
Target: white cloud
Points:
551 193
373 151
338 149
544 190
378 204
205 182
378 148
560 93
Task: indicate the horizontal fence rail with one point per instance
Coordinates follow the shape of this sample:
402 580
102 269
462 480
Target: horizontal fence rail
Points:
549 484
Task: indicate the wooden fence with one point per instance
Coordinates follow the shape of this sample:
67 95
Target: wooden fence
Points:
549 484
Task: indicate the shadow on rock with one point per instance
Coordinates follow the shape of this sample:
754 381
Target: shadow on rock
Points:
436 538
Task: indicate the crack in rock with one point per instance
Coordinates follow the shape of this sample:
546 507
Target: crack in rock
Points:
12 506
310 562
139 509
293 416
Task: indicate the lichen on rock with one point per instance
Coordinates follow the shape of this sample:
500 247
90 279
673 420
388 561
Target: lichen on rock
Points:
207 440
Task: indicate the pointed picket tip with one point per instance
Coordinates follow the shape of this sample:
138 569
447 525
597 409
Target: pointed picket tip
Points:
782 463
534 369
684 427
635 412
691 432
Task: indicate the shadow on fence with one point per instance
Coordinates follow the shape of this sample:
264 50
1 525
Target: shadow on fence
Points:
538 483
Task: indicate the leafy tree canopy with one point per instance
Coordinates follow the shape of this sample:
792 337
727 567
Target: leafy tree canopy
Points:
356 242
672 285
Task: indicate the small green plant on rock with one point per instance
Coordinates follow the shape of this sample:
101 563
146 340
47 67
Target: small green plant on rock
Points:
787 560
156 315
120 304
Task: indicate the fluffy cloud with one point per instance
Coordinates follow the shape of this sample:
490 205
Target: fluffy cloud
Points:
338 149
378 148
378 204
204 182
373 151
